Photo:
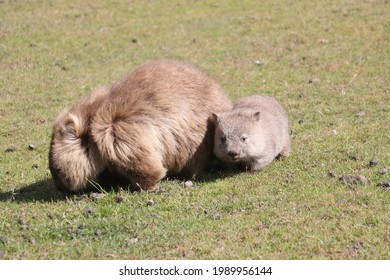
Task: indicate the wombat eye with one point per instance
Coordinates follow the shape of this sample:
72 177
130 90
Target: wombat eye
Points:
223 138
244 137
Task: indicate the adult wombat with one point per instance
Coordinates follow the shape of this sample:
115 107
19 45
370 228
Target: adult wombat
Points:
152 122
253 133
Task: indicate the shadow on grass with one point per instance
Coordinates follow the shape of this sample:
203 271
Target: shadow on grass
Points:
43 191
215 175
218 171
46 191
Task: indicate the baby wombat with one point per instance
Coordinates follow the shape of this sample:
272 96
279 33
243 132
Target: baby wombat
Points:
152 123
253 133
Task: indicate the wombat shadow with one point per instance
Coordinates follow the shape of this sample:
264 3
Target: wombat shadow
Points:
43 190
46 191
216 170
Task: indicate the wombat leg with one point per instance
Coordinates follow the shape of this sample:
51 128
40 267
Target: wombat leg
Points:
192 170
285 151
260 163
145 179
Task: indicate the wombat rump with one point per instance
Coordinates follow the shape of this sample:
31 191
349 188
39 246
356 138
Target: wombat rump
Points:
153 122
252 134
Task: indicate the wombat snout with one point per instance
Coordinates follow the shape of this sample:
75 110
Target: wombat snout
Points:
232 153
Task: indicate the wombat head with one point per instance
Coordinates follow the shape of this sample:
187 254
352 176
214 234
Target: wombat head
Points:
73 156
236 136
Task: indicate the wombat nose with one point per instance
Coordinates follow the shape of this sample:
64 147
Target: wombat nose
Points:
232 154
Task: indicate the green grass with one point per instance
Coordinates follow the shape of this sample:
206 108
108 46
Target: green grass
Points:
326 61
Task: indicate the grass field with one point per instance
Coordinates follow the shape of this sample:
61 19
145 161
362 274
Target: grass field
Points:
327 62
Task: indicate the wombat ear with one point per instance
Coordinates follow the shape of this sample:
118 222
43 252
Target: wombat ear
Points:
257 116
71 126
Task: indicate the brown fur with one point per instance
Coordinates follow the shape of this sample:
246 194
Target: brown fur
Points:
252 134
73 157
153 122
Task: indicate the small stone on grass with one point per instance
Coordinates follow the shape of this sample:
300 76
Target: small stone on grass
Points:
383 171
10 149
132 241
358 245
360 114
89 211
347 179
150 202
384 184
332 173
188 184
22 221
354 157
259 63
217 216
98 196
361 179
374 162
350 179
261 226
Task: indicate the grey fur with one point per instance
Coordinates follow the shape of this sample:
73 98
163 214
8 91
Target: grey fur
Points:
253 133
